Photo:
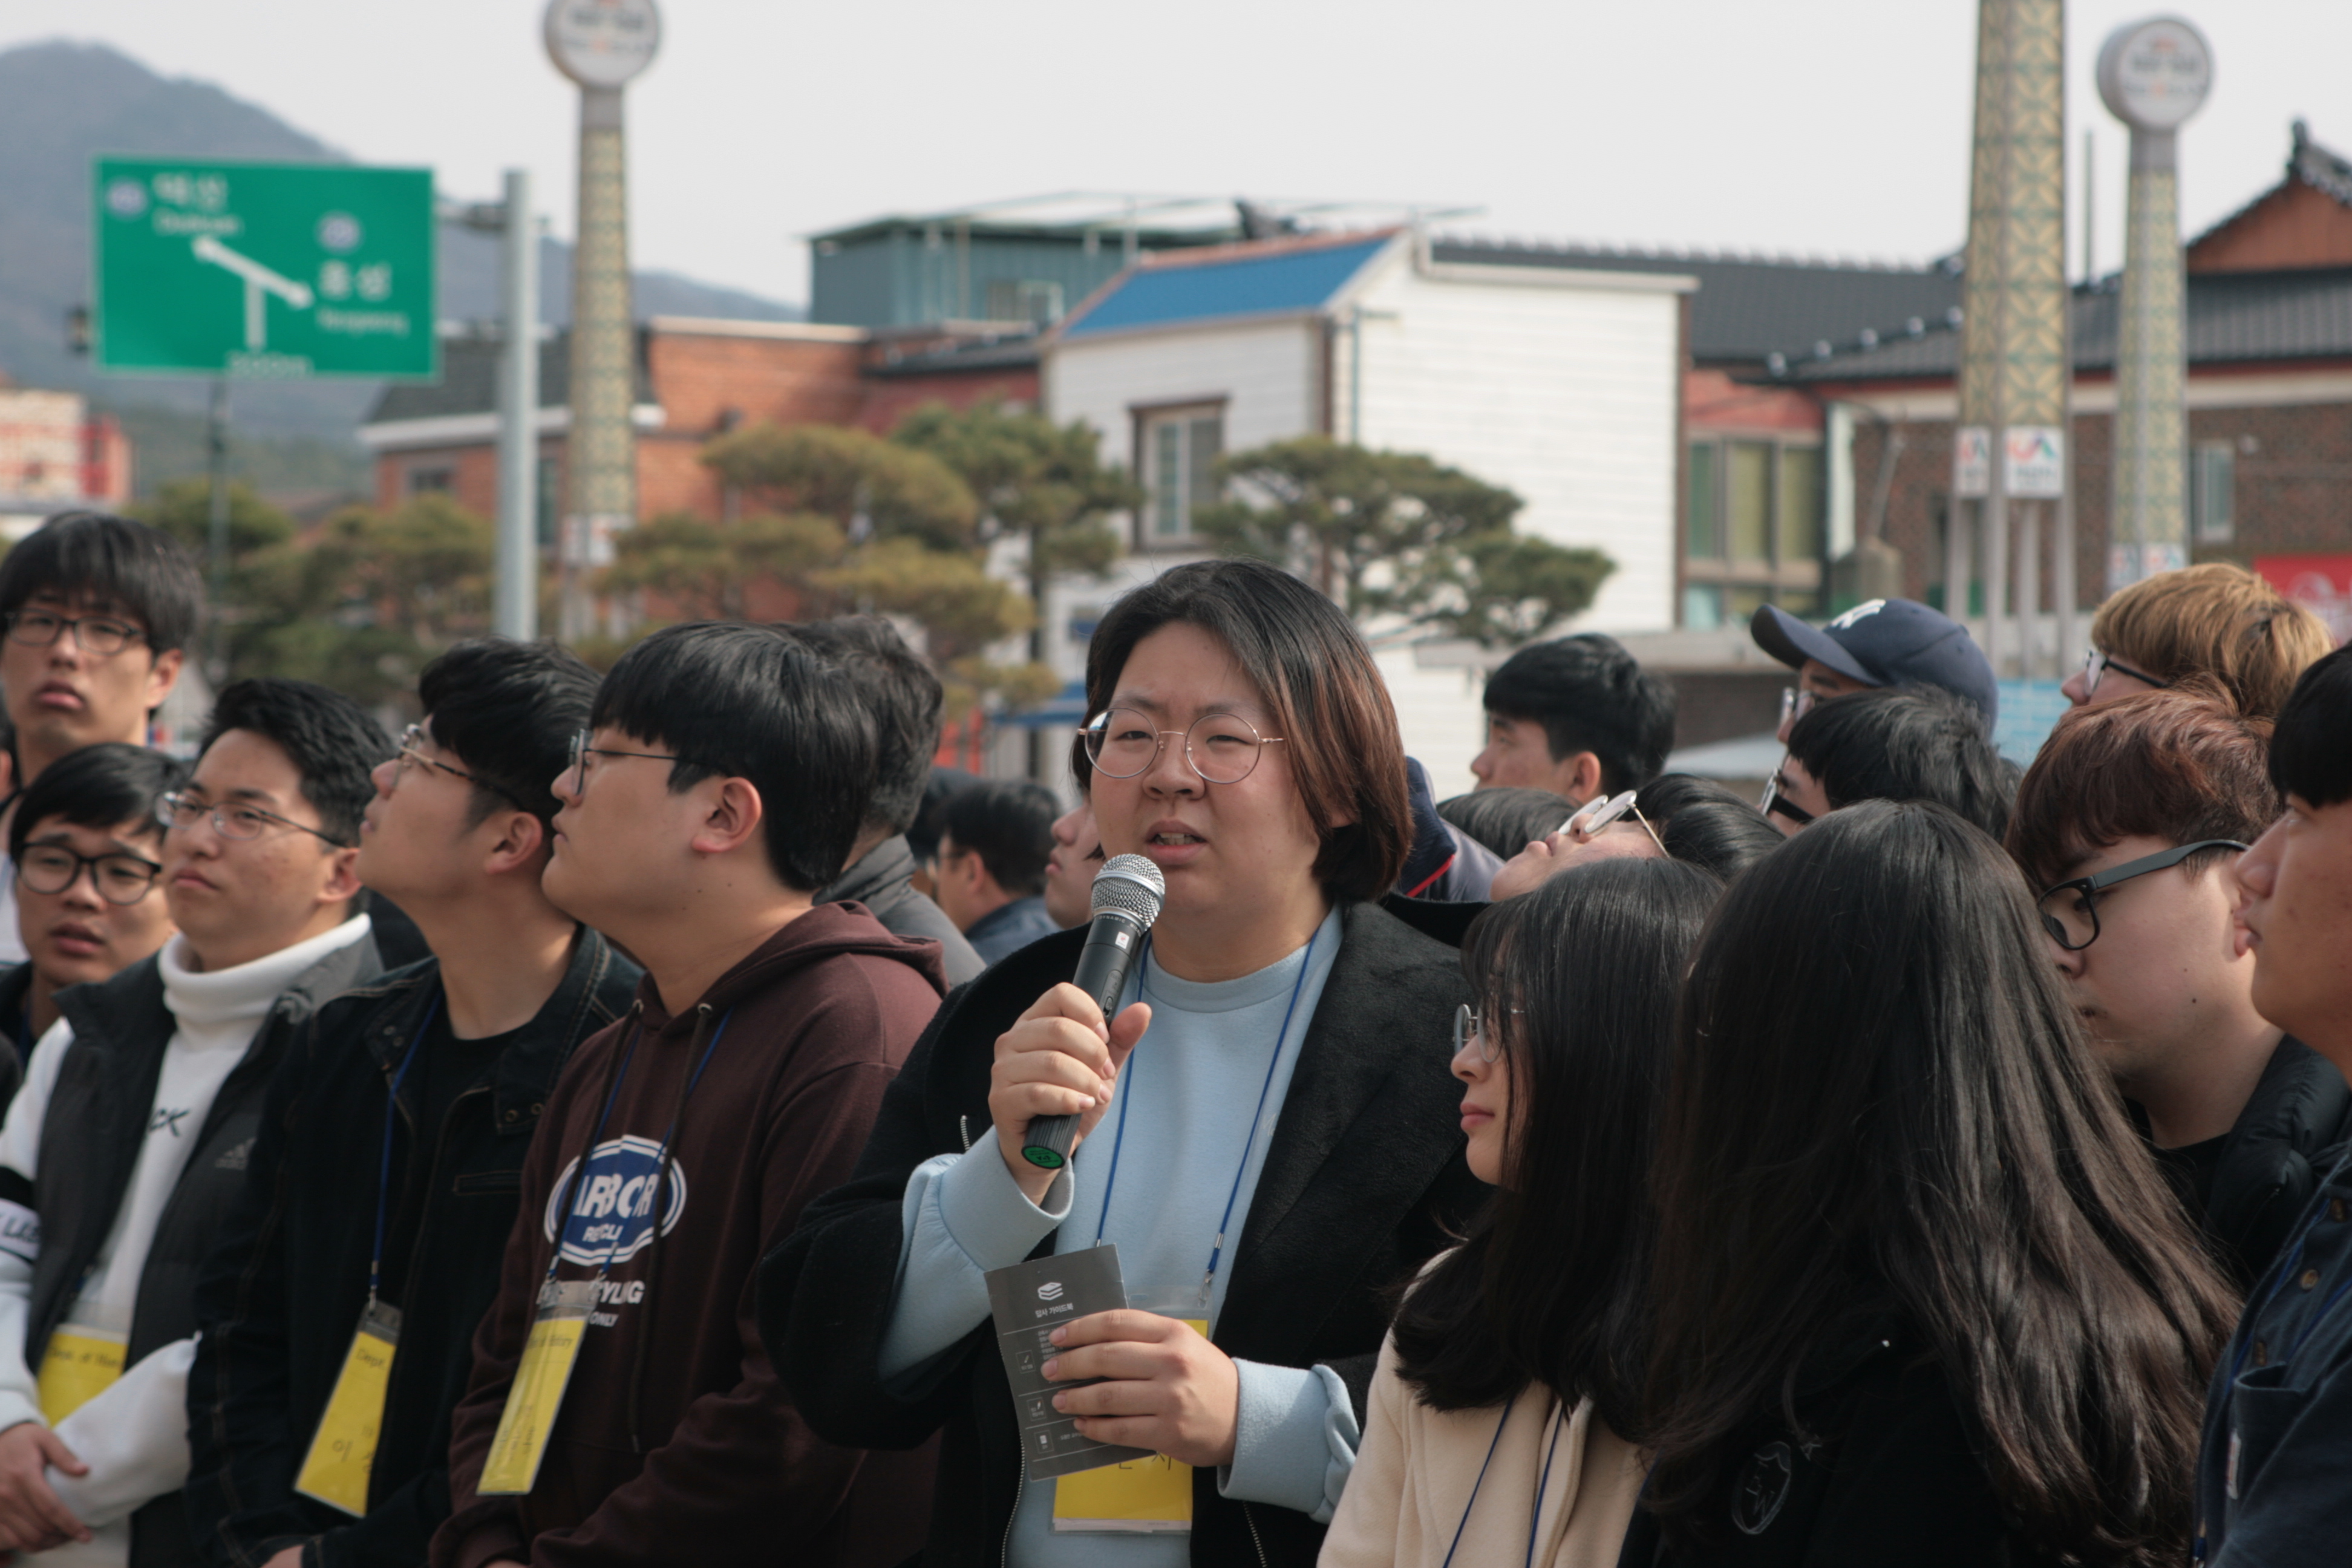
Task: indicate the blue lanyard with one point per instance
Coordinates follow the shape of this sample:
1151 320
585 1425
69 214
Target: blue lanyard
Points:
383 1165
1118 1139
661 1150
1558 1423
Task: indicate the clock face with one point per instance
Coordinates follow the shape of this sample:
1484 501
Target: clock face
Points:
602 42
2154 75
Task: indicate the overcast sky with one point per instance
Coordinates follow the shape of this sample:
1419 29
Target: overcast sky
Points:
1812 126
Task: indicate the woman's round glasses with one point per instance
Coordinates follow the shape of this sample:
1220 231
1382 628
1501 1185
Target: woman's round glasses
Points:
1468 1027
119 878
2070 910
1222 747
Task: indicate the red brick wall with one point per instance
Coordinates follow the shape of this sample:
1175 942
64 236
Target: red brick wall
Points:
474 473
2294 486
1713 402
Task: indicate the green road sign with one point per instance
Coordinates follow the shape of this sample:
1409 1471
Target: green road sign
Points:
270 271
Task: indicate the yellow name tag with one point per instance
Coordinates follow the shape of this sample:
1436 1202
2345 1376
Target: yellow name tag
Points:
536 1392
80 1364
1138 1496
342 1451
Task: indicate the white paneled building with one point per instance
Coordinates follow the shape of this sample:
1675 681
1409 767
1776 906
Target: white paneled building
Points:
1562 384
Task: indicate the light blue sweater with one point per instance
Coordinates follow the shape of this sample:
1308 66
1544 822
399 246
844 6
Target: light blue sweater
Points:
1189 1088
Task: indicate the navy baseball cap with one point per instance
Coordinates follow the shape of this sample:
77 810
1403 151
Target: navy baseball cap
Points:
1885 642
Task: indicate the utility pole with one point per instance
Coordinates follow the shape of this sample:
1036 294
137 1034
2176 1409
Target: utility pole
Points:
216 452
516 609
600 45
2153 76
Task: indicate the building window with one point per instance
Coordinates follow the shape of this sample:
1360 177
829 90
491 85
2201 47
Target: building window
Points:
1702 542
431 480
1036 300
543 502
1180 448
2212 493
1752 530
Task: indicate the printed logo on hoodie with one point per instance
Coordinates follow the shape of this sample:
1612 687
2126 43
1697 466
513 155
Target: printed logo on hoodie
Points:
611 1202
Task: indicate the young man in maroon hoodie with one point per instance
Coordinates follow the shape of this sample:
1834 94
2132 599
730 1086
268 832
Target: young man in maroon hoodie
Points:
721 782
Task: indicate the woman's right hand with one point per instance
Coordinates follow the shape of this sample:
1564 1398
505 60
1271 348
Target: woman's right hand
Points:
1057 1060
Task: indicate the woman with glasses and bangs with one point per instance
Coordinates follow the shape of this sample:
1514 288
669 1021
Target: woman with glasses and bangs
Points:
1267 1131
1517 1358
1919 1293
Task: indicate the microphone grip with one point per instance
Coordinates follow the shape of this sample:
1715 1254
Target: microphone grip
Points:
1112 941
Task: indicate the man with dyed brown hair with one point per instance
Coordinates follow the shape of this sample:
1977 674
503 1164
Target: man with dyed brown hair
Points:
2216 620
2129 825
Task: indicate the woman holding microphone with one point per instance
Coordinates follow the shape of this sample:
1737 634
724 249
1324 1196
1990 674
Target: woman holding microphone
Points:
1267 1127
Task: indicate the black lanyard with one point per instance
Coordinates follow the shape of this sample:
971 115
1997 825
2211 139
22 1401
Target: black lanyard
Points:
383 1166
661 1152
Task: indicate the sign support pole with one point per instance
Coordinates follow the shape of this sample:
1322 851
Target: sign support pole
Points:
216 441
516 607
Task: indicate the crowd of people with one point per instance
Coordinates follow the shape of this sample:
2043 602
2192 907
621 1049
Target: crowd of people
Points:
470 1147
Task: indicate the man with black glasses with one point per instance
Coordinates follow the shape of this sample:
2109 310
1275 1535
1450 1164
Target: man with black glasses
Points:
2130 825
721 784
136 1122
98 611
87 849
385 1182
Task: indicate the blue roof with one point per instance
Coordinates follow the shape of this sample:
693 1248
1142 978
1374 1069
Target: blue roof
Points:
1243 286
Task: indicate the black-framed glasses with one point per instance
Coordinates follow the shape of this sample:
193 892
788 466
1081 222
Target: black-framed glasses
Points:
412 755
2098 661
581 751
118 877
2070 909
1469 1025
1776 799
1222 747
98 635
230 819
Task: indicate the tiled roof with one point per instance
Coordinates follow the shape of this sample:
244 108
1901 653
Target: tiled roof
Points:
2234 318
1263 278
984 355
1748 308
470 380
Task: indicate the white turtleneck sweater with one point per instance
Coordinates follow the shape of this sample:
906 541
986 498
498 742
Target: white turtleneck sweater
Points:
133 1436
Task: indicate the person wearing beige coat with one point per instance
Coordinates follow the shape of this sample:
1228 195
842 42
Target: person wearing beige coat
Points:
1529 1483
1491 1425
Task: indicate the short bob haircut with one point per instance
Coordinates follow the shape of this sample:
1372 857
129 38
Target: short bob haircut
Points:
2311 754
2219 620
1320 683
94 556
734 700
2178 766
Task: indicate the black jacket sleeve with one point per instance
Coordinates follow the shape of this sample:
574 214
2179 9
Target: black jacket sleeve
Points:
826 1340
243 1453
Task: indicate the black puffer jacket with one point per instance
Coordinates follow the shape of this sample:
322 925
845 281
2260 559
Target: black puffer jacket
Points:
1364 1181
2285 1142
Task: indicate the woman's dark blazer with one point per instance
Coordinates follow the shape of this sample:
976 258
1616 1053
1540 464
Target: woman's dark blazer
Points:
1364 1181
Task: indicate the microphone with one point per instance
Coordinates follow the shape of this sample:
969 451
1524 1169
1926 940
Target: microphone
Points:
1128 893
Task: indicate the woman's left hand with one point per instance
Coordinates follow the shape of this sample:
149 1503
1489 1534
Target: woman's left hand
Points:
1170 1391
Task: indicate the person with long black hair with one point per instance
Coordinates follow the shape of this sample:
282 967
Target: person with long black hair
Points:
1920 1294
1517 1358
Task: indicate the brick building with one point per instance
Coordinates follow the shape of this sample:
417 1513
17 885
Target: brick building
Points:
2269 395
696 379
55 457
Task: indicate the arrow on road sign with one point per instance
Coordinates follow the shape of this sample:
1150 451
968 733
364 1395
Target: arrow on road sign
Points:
257 278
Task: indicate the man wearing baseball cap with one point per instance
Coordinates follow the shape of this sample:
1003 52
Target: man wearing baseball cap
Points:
1880 642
